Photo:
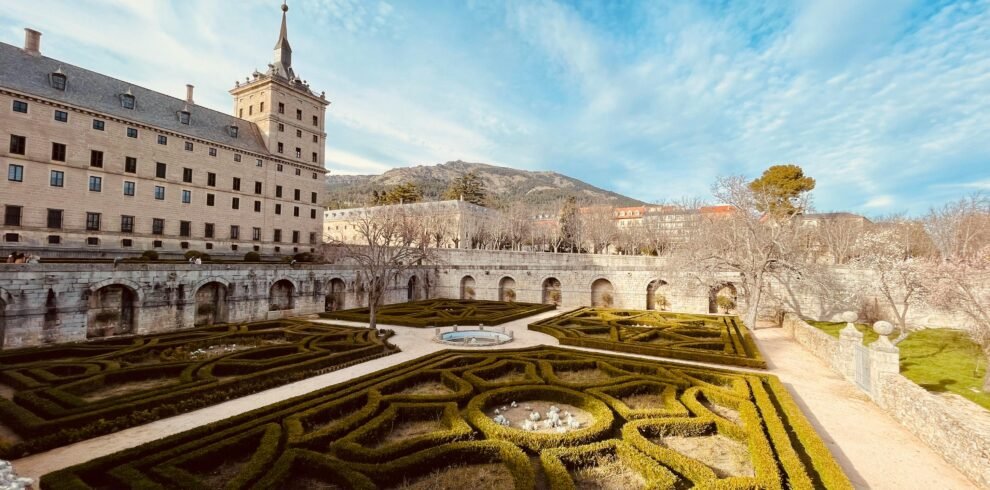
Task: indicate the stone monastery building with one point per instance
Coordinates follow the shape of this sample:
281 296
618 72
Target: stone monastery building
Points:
96 164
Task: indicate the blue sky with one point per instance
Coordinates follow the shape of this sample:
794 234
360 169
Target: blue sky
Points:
885 103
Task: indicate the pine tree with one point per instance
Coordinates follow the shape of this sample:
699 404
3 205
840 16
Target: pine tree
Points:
780 188
570 222
469 187
404 193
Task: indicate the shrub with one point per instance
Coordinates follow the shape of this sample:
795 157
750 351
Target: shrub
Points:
661 302
509 295
869 311
306 257
196 254
725 303
607 299
149 255
554 296
252 257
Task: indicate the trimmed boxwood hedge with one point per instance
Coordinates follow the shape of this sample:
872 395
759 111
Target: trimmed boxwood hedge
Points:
717 339
335 435
50 406
443 313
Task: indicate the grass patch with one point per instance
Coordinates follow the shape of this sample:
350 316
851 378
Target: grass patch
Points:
937 359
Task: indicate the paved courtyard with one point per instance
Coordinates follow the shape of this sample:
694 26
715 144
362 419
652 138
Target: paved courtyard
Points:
873 449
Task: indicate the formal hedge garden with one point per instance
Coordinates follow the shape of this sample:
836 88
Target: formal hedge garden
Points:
443 313
66 393
707 338
463 418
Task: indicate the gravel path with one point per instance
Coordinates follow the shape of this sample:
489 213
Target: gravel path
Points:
874 450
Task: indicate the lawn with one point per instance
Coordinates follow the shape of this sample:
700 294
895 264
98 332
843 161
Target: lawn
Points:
52 396
443 312
541 417
937 359
707 338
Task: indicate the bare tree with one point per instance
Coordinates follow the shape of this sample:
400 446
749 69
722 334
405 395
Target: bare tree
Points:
598 228
392 241
836 238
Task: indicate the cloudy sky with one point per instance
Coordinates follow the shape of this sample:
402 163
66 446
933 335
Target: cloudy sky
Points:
886 103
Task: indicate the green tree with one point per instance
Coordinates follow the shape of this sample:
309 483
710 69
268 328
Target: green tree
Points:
404 193
469 187
570 223
779 190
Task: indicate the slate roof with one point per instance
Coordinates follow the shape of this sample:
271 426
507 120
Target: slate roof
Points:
87 89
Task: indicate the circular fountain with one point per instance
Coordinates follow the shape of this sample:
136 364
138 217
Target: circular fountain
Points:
473 338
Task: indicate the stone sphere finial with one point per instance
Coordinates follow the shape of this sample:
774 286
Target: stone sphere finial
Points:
883 327
285 8
850 317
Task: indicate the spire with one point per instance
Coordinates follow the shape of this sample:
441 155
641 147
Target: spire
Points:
282 64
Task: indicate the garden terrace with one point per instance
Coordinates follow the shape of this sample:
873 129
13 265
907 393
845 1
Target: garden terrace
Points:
53 396
443 313
433 419
707 338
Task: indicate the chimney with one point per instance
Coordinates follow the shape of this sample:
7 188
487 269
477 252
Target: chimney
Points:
32 42
189 94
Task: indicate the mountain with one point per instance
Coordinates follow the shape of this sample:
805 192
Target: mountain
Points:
502 184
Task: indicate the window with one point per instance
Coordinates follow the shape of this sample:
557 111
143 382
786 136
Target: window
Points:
296 194
299 114
237 183
159 193
126 224
55 219
278 209
295 236
298 133
126 242
298 172
93 221
233 132
99 124
257 206
132 132
211 179
189 146
96 158
186 197
257 187
57 178
184 228
281 108
160 169
235 203
316 139
312 213
316 121
312 238
61 116
92 241
235 232
295 211
95 183
213 152
259 163
156 244
316 157
157 226
256 233
314 176
130 165
298 152
184 245
58 152
128 188
184 117
277 235
280 148
237 157
210 199
261 107
312 197
240 113
20 106
54 239
208 230
278 191
187 174
279 167
281 127
250 110
58 80
12 215
127 101
162 139
18 144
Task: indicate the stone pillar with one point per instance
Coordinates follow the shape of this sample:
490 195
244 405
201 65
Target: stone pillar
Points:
849 338
885 358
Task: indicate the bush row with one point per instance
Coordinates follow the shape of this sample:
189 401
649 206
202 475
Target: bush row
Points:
412 314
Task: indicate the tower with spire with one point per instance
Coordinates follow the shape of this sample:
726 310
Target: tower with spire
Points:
288 114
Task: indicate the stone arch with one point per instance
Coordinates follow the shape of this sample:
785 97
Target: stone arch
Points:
134 286
112 310
655 291
726 289
552 293
467 288
336 295
507 289
211 303
281 295
202 282
412 288
602 293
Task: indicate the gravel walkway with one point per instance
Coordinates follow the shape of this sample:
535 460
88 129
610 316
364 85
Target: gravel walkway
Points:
873 449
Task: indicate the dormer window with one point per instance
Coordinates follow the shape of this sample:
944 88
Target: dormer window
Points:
184 117
127 101
232 130
59 80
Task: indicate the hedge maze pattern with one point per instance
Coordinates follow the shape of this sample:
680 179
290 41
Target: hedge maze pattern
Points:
706 338
423 419
443 313
71 392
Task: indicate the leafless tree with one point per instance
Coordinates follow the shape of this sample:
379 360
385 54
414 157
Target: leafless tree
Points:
835 238
598 228
392 241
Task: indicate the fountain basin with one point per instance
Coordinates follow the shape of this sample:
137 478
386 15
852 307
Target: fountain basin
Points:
473 338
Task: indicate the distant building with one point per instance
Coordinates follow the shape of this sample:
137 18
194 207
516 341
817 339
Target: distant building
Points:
450 224
97 164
